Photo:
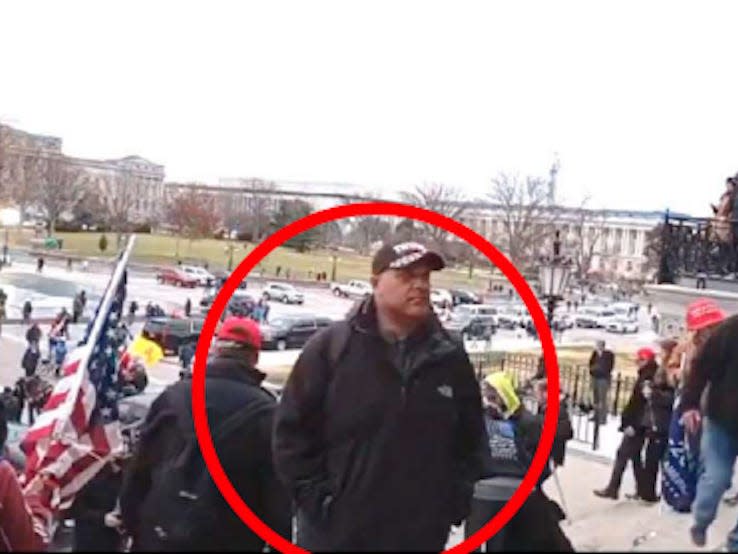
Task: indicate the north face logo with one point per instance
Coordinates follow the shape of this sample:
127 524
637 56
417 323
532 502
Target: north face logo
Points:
446 390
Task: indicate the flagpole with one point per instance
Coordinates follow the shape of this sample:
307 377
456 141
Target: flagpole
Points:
105 304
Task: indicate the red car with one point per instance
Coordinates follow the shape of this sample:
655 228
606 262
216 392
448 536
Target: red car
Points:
176 277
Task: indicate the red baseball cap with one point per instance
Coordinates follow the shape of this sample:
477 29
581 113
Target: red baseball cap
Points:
646 354
241 330
703 313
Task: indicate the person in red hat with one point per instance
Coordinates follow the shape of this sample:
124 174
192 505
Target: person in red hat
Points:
714 368
633 426
168 500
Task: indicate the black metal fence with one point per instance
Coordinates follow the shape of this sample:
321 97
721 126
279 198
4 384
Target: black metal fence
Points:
696 247
574 381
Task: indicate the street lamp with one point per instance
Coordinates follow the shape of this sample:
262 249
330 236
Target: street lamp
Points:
553 276
333 267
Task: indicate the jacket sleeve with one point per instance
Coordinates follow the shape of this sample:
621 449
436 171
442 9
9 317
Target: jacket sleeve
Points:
276 505
707 365
472 446
298 445
609 361
137 478
630 413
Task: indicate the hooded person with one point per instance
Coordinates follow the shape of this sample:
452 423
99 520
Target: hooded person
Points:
633 426
168 501
513 434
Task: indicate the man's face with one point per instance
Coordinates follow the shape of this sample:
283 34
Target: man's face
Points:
492 401
600 346
404 292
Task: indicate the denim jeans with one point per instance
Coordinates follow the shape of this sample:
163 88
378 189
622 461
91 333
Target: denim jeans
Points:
718 452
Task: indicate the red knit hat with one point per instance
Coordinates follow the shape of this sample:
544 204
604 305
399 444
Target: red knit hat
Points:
703 313
241 330
646 354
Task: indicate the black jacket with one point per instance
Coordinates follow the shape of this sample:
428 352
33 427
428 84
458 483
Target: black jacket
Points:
661 405
635 411
96 499
600 365
375 461
716 364
231 386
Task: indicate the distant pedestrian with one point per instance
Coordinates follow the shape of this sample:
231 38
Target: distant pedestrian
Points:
601 363
649 308
69 264
132 309
40 264
85 265
2 316
186 354
27 311
188 307
33 334
278 270
30 360
76 308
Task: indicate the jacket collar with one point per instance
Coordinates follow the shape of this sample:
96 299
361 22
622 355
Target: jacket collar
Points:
225 365
431 340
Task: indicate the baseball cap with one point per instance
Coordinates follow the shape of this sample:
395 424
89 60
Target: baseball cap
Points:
646 354
703 313
399 255
241 330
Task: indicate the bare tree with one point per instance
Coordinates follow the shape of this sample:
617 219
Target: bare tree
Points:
260 208
587 231
59 189
367 230
527 215
441 198
118 195
193 214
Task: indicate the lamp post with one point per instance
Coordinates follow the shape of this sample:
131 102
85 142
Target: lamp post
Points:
553 276
229 250
333 267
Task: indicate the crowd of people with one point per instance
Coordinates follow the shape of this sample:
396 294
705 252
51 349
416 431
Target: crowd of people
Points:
383 436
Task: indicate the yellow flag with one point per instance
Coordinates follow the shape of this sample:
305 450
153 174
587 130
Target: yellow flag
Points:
147 350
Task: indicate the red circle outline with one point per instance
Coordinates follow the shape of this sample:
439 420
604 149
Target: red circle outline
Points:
363 209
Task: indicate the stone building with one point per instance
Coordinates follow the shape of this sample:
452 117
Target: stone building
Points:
130 185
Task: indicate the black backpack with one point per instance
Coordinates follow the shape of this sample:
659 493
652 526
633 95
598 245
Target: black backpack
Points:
185 506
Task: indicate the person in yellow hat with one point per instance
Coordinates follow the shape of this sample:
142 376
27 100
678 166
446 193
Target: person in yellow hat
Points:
514 434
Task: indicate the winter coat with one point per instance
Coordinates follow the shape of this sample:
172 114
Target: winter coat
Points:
16 523
600 365
634 413
379 446
716 365
661 405
231 387
97 498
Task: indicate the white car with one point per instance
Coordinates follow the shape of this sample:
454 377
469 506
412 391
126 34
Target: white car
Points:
622 325
354 288
283 293
203 276
441 297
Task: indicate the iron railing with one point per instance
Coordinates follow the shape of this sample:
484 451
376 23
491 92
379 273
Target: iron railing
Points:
700 248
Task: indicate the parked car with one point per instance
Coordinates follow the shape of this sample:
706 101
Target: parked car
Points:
222 276
563 321
240 302
176 277
586 318
284 332
622 325
354 288
283 293
203 276
471 327
170 333
459 296
441 297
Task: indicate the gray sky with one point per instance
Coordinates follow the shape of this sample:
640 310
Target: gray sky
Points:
639 99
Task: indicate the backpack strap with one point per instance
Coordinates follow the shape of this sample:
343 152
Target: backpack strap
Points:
338 339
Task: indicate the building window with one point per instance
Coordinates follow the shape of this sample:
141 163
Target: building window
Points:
628 266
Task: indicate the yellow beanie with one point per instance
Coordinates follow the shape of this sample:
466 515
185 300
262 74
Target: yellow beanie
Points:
504 387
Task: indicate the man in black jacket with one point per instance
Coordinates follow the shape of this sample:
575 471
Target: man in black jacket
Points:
378 429
715 367
169 501
635 420
600 370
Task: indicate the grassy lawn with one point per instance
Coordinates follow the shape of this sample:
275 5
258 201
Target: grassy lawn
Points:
162 249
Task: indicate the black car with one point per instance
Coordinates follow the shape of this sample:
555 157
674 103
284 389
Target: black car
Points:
464 297
170 333
240 303
291 331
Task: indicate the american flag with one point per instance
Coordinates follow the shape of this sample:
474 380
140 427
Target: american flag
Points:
78 431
